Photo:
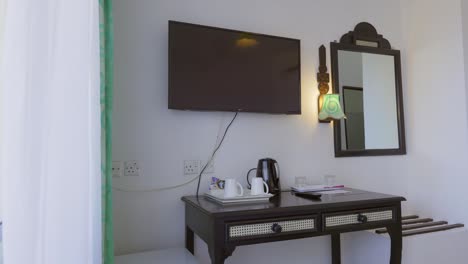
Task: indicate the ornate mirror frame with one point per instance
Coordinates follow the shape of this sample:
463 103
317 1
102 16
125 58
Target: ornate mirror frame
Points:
365 39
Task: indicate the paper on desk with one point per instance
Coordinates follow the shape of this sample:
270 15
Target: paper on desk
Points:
314 188
333 192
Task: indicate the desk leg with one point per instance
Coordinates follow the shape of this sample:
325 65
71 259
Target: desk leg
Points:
395 233
336 248
189 240
217 256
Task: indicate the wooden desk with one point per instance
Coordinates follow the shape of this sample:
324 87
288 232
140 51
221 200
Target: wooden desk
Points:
287 217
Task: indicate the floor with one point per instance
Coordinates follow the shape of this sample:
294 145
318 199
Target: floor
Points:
168 256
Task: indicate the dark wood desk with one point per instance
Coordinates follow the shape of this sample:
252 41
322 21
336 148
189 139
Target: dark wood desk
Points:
287 217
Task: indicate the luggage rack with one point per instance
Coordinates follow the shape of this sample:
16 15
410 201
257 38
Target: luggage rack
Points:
413 225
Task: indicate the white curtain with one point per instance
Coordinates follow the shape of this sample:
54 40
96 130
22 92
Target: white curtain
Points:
2 22
50 152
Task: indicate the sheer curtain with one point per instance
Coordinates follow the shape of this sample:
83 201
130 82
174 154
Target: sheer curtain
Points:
2 9
50 152
2 22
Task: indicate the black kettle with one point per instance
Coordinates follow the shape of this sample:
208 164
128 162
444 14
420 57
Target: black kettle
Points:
268 169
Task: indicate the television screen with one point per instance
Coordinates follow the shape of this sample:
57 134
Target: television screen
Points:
227 70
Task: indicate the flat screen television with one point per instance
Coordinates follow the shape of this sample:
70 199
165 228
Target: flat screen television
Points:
219 69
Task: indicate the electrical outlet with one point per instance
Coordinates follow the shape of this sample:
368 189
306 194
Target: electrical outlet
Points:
209 169
191 167
117 169
132 168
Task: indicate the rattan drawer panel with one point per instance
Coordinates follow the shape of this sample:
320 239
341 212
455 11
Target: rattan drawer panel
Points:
264 229
376 216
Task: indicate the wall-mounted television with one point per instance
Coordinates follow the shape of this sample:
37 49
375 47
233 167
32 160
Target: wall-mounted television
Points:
217 69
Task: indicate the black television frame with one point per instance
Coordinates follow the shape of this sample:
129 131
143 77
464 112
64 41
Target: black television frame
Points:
170 97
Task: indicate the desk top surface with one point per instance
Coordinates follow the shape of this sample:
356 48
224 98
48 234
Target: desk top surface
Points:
287 200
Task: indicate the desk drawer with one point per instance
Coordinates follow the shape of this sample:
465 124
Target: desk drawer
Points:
346 219
271 227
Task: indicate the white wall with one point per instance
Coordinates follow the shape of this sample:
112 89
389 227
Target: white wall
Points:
380 114
145 130
351 70
350 75
432 176
436 119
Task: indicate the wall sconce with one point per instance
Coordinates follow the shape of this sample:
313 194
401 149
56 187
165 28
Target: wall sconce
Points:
329 106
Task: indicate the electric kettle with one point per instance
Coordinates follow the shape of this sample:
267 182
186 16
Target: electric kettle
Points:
268 169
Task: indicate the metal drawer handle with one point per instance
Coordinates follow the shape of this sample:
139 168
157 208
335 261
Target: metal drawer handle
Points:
276 228
362 218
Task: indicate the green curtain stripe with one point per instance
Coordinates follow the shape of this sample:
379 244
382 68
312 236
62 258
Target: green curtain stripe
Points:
107 62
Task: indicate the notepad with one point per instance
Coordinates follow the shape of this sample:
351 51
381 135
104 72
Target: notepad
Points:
333 192
314 188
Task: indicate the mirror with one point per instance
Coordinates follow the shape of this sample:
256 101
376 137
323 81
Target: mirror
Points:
366 74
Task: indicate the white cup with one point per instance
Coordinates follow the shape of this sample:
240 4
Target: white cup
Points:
257 186
231 190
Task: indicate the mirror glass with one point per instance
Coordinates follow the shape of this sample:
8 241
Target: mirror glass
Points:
367 88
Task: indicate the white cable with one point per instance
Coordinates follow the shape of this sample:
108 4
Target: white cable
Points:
155 189
182 184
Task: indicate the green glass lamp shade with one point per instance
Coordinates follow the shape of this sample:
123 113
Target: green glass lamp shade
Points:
331 108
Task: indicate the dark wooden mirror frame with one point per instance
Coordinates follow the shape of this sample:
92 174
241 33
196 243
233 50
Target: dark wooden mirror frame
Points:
366 32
